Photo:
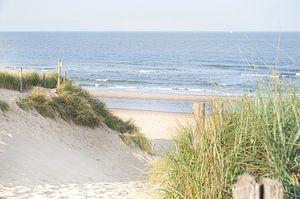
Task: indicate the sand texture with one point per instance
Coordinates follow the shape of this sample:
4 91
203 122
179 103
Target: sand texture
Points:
50 158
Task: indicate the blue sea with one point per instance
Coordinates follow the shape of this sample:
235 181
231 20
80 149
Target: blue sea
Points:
209 63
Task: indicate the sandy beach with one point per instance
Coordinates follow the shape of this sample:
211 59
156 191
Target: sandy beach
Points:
45 158
159 127
41 157
117 94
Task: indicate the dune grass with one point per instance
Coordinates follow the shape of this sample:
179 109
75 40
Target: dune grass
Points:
4 107
136 138
11 79
259 135
75 104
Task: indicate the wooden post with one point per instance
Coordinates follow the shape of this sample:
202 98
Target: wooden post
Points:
272 189
246 188
21 80
199 114
59 63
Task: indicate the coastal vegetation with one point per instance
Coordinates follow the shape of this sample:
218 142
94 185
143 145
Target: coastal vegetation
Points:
4 107
259 135
11 79
70 102
73 103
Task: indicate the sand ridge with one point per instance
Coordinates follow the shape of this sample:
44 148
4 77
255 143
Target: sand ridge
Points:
37 153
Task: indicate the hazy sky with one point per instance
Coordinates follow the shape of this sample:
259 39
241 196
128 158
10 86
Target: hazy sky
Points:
150 15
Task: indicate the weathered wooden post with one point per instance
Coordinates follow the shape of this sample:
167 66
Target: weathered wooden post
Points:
246 188
199 114
21 80
59 65
272 189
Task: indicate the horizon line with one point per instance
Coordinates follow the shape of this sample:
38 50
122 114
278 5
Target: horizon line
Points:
162 31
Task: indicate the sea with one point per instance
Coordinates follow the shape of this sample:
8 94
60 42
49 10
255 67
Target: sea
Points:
192 63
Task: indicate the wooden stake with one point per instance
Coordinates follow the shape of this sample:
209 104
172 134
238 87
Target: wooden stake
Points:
59 63
21 80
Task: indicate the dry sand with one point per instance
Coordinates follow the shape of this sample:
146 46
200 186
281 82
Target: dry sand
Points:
156 96
45 158
159 127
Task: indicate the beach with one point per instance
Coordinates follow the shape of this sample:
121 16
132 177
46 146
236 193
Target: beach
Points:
119 94
159 127
42 157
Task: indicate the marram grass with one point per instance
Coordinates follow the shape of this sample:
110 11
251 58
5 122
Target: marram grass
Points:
259 135
136 138
75 104
11 79
4 107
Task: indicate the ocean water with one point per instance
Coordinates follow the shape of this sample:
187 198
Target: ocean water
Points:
181 62
151 105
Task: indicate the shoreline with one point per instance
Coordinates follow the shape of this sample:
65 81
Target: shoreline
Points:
150 111
120 94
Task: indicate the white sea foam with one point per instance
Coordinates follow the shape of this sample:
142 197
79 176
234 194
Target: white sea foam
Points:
126 87
101 80
257 75
146 71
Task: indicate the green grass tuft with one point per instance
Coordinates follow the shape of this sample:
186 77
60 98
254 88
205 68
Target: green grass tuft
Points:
75 104
4 107
137 139
11 80
39 101
259 135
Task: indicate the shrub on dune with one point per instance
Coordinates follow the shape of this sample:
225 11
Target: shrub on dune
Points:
259 135
4 107
73 103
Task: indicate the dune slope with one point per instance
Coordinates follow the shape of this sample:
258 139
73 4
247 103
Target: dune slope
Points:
38 151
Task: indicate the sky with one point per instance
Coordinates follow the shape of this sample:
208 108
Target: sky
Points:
149 15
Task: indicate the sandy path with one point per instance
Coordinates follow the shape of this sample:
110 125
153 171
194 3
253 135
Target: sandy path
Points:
108 190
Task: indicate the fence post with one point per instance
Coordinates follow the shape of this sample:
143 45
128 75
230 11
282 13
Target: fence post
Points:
59 63
199 114
272 189
246 188
21 80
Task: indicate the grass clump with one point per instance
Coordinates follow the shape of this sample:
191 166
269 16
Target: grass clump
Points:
73 103
4 107
39 101
136 138
259 135
11 80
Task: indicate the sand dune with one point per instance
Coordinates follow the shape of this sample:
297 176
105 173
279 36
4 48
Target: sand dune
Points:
43 156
